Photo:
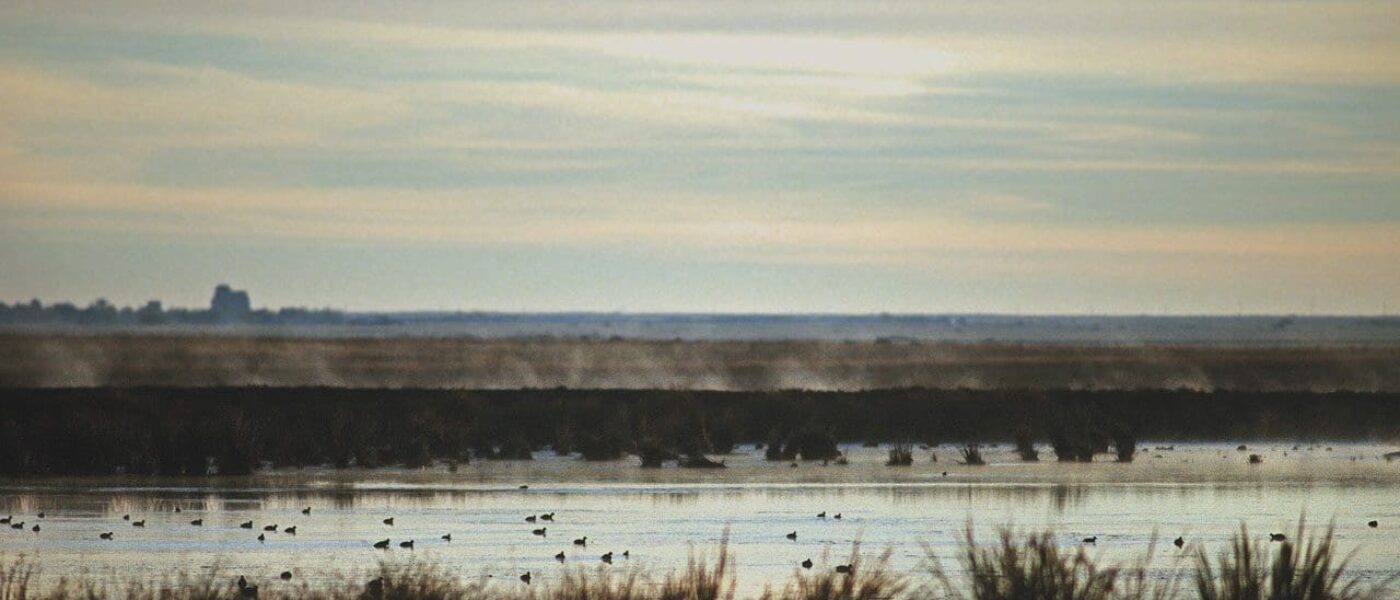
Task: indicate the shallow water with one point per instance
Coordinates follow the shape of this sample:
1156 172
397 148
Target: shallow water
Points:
1201 492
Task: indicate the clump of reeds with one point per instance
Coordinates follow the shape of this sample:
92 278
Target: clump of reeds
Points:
1025 446
1036 567
901 455
855 580
972 455
1310 571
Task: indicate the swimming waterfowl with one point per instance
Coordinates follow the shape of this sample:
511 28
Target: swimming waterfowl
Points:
560 556
547 517
272 528
382 544
19 525
447 538
1278 537
837 517
105 536
246 525
292 530
6 520
36 528
583 541
286 575
821 515
526 578
1373 524
306 511
807 564
126 517
408 544
607 558
1179 542
541 531
843 569
530 519
524 487
792 536
626 554
197 522
1091 540
41 514
141 523
262 538
389 521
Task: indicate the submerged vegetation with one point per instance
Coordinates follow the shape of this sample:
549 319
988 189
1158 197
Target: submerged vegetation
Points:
1024 567
234 431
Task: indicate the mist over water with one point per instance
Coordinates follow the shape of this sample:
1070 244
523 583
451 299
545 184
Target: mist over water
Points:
460 362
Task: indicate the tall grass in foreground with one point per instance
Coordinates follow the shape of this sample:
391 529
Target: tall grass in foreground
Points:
1027 567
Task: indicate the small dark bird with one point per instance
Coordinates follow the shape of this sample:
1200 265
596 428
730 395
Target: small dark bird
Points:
292 530
626 554
41 514
607 558
583 541
382 544
6 520
1091 540
306 511
408 544
1179 542
105 536
1373 524
389 521
141 523
807 564
526 578
447 538
246 525
560 556
945 473
547 517
272 528
792 536
1278 537
197 522
837 517
530 519
286 575
262 538
540 532
36 528
525 487
843 569
126 517
19 525
821 515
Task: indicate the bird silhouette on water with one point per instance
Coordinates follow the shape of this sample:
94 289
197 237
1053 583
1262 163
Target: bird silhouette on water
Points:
382 544
1278 537
607 558
807 564
292 530
286 575
792 536
262 538
583 541
408 544
447 537
843 569
306 511
1179 542
821 515
1091 540
837 517
389 521
141 523
105 536
541 531
530 519
126 517
526 578
272 528
246 524
1373 524
36 528
19 525
6 520
197 522
40 515
547 517
560 556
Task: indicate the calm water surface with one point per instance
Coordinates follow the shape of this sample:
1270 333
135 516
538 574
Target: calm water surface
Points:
1201 492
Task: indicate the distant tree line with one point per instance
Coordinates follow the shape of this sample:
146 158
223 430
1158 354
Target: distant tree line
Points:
201 431
100 312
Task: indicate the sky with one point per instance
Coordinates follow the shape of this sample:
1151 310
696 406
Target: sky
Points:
851 157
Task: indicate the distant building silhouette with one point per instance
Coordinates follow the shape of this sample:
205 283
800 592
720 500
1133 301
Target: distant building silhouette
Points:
230 304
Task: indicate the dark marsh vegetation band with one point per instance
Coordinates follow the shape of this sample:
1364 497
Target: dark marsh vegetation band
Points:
235 430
